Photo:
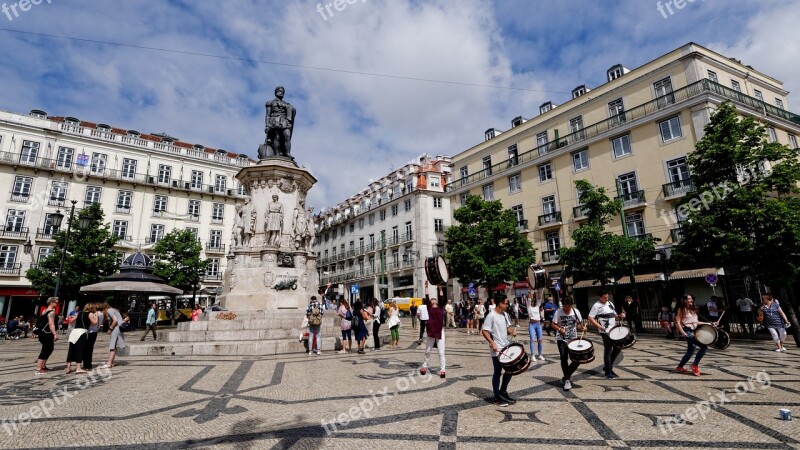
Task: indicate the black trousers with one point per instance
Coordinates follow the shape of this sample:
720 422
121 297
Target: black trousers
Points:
567 367
422 324
375 327
46 339
610 353
89 350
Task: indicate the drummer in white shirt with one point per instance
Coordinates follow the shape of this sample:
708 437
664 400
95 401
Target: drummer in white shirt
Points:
495 330
604 317
567 321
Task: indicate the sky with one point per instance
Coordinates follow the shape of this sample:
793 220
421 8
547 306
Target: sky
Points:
376 83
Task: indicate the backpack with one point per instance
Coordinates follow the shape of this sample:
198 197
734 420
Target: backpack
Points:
348 315
384 315
42 324
316 316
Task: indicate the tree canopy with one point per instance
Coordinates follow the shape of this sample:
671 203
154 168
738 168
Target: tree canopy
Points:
178 260
486 246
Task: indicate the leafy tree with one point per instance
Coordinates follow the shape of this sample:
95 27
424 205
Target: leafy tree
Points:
90 256
745 211
486 246
178 260
598 253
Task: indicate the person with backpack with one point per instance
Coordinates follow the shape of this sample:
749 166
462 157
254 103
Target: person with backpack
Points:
314 315
394 323
378 316
346 324
46 331
360 316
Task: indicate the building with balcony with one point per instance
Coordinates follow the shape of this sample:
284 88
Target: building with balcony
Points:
379 238
630 135
147 185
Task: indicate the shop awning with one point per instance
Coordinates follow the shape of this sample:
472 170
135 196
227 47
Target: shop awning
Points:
586 284
20 291
644 278
695 273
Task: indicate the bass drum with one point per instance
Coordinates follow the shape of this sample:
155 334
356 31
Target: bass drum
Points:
581 351
514 359
723 340
621 337
705 334
537 276
436 270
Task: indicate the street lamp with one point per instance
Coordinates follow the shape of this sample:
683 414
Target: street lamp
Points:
439 248
57 218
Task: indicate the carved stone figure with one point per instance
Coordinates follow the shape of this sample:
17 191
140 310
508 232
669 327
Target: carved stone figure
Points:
273 225
248 213
279 126
238 228
310 230
300 226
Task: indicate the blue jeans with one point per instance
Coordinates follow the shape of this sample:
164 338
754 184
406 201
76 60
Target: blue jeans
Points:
691 341
314 330
497 388
535 329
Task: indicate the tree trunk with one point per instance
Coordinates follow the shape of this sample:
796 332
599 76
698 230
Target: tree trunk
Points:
789 309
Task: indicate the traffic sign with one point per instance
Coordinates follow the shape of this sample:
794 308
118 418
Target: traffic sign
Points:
471 286
354 289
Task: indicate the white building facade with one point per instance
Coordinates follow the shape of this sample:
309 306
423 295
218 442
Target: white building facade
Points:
378 239
147 185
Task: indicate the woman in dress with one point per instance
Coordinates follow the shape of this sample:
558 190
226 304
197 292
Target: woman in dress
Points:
196 311
79 336
686 322
361 316
775 320
346 324
47 336
394 323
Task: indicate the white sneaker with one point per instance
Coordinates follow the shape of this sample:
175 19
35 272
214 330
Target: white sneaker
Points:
310 353
567 385
319 352
783 350
541 357
778 350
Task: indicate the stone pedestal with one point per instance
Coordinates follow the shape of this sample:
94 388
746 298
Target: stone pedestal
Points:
271 266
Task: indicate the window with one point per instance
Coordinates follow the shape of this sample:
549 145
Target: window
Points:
361 223
437 202
124 200
548 204
29 152
217 212
120 229
757 94
160 203
410 184
128 168
663 92
773 137
406 204
372 219
8 256
517 210
735 86
58 191
627 184
464 174
99 163
614 73
616 111
44 253
64 157
621 146
670 129
578 91
488 192
541 142
197 179
352 227
779 103
576 126
93 194
514 183
383 214
22 189
164 173
220 183
437 225
553 241
513 156
463 199
487 166
335 233
634 224
545 172
408 230
489 134
194 209
394 210
395 235
545 107
49 229
156 232
215 239
192 230
580 160
435 181
792 141
15 220
212 270
372 240
713 76
678 170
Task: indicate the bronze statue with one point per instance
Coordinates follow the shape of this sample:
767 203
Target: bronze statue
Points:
279 126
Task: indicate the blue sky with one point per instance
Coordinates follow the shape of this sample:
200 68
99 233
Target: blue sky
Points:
352 128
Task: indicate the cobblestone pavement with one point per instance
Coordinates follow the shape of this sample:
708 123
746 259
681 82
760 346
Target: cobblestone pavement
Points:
379 400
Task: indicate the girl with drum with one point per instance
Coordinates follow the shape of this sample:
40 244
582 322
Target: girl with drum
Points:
566 322
686 322
535 316
435 333
775 320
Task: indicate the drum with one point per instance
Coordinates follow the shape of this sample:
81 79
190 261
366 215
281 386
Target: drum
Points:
514 359
723 340
705 334
436 270
537 276
580 351
621 336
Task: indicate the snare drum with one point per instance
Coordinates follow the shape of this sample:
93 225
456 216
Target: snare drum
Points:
436 270
705 334
580 351
621 336
723 340
514 359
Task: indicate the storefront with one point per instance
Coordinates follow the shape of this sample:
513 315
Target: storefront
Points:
18 301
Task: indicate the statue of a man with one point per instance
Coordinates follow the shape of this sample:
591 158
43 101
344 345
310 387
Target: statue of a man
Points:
310 229
248 223
279 127
273 225
238 228
300 226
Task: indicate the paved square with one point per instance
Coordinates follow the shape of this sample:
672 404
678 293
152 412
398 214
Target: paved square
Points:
379 400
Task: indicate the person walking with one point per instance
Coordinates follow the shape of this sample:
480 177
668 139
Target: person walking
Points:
92 336
413 312
567 322
746 307
361 317
604 316
394 323
376 323
480 313
150 323
196 311
468 311
549 310
422 313
435 334
451 314
47 335
78 338
495 330
346 324
686 323
71 319
535 316
775 320
116 330
632 314
314 315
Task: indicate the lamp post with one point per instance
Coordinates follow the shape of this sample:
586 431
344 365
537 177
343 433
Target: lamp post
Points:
57 218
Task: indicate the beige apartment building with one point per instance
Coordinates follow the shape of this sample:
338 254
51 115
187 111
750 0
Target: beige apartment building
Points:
147 185
629 135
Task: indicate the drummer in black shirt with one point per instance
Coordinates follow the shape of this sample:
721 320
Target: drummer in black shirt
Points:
567 321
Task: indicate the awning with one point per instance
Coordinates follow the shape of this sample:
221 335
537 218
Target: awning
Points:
644 278
20 291
521 285
695 273
131 286
586 284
